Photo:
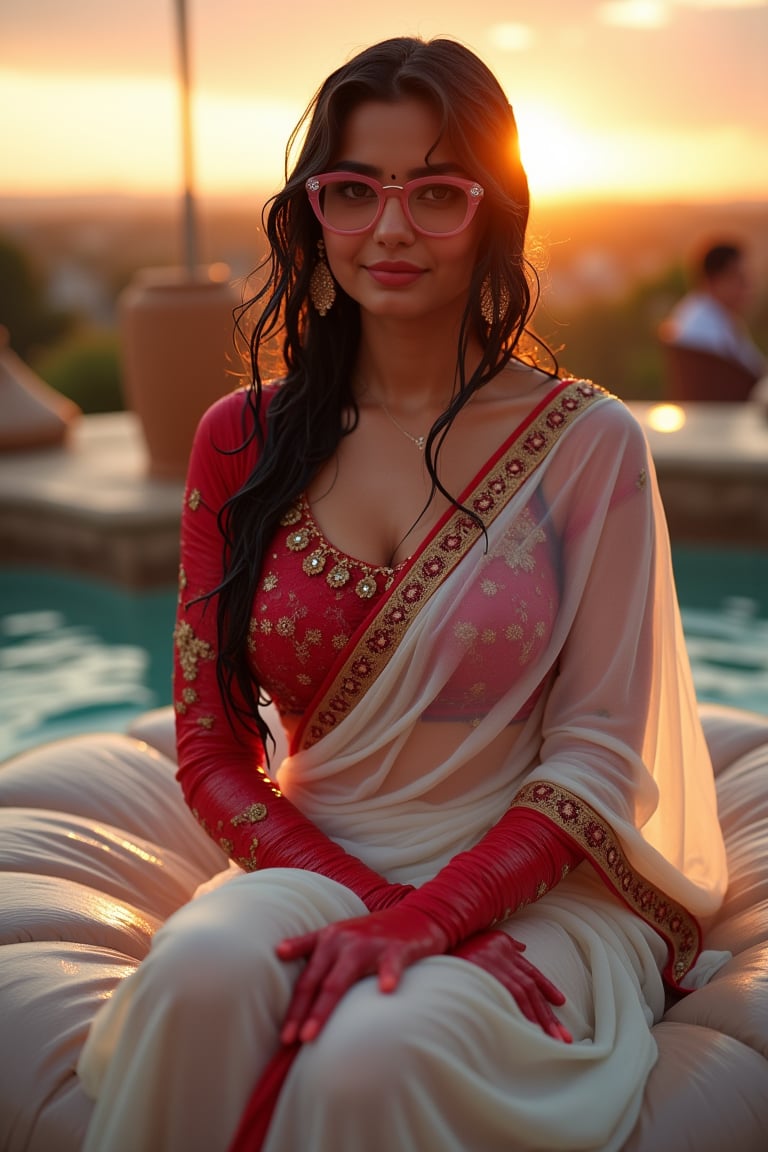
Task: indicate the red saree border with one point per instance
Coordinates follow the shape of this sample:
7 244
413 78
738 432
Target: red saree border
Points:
600 844
487 495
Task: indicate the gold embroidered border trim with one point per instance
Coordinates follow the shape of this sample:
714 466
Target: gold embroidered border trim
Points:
377 644
600 844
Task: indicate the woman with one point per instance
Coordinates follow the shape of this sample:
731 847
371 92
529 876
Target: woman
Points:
449 570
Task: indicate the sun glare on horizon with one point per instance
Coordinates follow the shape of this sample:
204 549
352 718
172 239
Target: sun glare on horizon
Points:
120 134
558 158
567 160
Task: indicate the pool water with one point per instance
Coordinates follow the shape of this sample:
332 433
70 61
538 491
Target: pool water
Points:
77 655
724 605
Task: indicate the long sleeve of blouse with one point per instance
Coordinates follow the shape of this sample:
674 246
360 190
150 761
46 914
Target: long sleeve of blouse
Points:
222 768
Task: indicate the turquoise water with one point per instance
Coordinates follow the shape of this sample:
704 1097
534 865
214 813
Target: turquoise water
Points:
77 655
724 604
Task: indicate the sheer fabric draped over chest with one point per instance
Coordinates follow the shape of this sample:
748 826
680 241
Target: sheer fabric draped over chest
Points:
547 647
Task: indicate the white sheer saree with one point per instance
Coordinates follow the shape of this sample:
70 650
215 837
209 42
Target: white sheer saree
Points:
571 589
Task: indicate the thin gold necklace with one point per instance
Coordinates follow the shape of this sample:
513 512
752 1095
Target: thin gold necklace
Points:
419 441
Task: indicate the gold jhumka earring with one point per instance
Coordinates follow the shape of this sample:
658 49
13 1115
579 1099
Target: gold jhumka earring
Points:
322 289
492 310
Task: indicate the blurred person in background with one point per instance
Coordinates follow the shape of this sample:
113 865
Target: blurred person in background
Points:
712 317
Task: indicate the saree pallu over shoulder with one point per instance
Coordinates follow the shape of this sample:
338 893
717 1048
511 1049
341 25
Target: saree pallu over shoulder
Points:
488 494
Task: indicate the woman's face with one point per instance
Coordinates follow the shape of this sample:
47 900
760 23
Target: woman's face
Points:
392 270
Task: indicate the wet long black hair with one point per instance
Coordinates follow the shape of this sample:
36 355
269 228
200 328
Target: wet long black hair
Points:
315 405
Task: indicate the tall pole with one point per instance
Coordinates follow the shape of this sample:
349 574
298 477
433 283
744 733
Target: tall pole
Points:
190 230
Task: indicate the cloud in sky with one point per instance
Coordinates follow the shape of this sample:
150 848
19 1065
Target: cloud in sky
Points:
727 4
512 37
635 13
658 13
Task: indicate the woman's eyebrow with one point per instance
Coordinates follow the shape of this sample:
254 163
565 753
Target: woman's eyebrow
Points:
449 168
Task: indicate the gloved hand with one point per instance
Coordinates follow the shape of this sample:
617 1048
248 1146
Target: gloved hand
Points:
340 954
501 955
516 862
386 943
494 951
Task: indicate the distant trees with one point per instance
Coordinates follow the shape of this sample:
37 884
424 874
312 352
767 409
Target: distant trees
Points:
86 368
614 342
72 357
31 323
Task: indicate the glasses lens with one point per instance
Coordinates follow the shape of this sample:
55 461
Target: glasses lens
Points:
435 207
438 208
348 205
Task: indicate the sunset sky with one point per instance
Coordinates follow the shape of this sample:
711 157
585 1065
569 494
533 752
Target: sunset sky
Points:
638 99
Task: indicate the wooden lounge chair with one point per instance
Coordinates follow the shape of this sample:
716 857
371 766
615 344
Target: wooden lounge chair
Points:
703 377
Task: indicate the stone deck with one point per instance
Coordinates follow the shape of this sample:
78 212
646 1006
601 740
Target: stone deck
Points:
90 507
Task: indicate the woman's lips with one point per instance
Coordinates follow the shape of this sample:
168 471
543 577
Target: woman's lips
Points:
394 274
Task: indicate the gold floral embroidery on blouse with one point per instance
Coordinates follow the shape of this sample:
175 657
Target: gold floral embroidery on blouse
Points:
287 627
326 560
292 516
194 499
520 540
190 649
188 697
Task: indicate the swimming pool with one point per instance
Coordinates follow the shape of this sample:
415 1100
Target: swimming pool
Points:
77 655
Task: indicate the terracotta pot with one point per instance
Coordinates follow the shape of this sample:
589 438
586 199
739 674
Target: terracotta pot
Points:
177 355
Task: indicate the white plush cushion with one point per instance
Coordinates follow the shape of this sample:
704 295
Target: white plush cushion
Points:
97 849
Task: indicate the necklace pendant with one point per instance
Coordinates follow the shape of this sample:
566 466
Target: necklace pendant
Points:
419 441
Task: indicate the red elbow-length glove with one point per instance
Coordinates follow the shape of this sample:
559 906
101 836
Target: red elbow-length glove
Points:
515 863
258 827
